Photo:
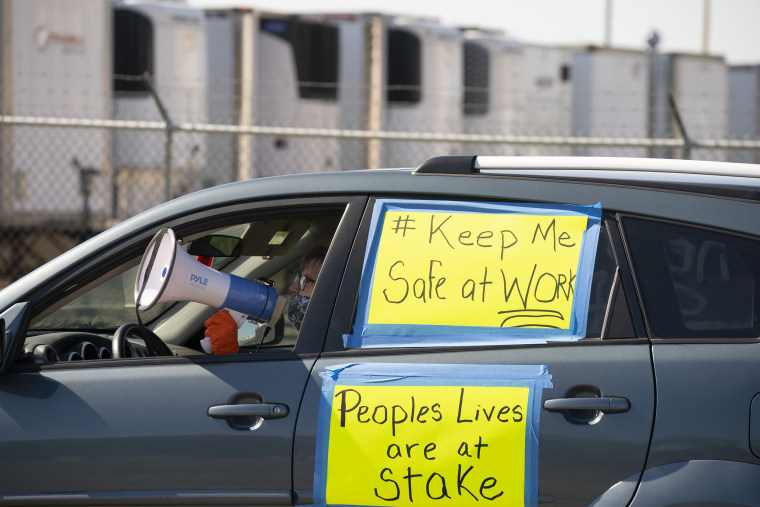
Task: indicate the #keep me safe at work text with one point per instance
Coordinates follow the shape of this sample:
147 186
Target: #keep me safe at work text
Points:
508 270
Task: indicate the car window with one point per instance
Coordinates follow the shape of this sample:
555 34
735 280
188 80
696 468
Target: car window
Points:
605 267
695 283
603 284
108 304
267 251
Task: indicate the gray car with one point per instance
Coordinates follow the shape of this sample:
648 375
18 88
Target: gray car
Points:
483 330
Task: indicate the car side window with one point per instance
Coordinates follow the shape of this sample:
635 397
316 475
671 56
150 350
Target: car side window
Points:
268 250
608 312
695 283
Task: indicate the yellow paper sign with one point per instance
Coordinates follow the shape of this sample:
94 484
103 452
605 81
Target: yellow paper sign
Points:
476 269
418 445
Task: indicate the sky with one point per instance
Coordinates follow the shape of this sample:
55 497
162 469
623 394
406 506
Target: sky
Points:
733 25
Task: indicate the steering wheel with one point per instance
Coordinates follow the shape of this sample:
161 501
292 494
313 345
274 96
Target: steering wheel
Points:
154 344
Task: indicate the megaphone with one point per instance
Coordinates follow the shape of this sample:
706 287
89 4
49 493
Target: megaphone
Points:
168 273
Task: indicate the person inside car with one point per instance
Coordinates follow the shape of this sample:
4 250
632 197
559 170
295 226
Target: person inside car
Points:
222 328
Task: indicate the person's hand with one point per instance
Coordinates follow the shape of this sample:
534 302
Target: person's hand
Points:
222 329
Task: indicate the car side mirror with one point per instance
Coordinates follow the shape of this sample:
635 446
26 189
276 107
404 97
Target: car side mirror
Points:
15 321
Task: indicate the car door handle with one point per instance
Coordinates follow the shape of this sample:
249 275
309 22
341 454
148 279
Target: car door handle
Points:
604 404
263 410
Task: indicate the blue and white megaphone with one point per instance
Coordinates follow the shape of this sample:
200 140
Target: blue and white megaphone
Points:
168 273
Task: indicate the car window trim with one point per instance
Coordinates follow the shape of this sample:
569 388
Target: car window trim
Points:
622 256
606 324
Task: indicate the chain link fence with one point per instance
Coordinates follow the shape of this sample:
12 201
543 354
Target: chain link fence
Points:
110 108
64 179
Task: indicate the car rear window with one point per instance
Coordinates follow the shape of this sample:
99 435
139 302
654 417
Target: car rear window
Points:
695 283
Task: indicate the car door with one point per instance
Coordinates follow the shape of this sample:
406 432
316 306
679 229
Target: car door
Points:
700 286
595 420
200 429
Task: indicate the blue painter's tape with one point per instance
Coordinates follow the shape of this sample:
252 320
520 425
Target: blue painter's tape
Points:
254 299
373 340
369 372
586 266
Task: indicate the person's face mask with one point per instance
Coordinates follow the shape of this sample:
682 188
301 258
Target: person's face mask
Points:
297 309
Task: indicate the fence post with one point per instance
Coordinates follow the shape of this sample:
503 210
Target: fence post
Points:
168 137
687 142
375 41
86 174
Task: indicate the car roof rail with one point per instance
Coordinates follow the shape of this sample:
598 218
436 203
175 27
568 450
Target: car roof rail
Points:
473 164
448 164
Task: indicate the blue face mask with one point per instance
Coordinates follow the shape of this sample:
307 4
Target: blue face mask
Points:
297 310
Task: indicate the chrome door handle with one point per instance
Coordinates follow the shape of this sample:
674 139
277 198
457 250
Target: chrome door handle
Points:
604 404
263 410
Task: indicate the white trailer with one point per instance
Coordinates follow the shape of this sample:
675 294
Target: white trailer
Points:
610 97
398 74
490 94
296 86
167 43
56 62
424 87
699 87
744 110
361 40
544 96
272 70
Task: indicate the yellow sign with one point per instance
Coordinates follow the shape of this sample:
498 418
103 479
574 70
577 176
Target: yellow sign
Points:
476 269
418 445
